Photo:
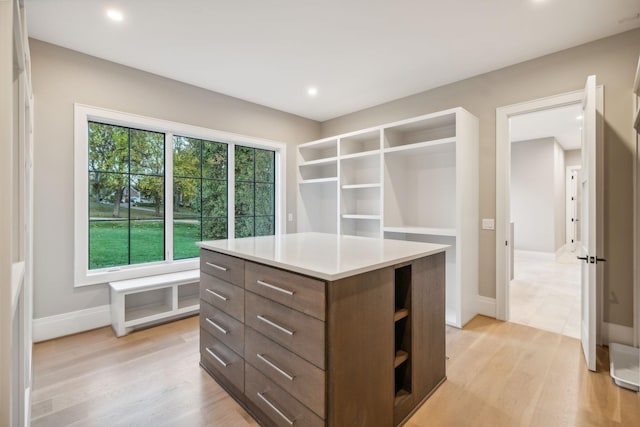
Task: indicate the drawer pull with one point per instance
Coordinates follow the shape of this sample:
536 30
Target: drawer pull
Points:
210 264
276 367
218 327
274 287
275 408
215 294
275 325
218 358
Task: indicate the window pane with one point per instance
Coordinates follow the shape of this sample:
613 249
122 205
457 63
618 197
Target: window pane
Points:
147 152
244 226
108 243
145 197
244 198
265 199
214 198
108 148
186 157
244 163
214 160
106 193
186 232
265 166
214 228
147 241
265 225
186 198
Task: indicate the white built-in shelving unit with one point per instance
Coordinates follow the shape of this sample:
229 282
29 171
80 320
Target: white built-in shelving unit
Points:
415 179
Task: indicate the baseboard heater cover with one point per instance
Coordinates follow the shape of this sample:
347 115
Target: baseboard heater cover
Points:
625 366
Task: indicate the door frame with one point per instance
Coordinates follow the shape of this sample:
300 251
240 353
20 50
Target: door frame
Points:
568 172
503 191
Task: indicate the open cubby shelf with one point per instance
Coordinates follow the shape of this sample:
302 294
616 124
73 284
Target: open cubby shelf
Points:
402 329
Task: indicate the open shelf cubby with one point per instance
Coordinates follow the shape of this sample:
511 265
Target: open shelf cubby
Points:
403 333
318 150
142 305
360 143
318 207
427 128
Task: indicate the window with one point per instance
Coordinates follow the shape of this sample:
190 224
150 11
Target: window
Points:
126 196
147 190
254 192
199 194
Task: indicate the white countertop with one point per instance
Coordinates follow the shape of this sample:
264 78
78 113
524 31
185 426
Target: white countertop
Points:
325 256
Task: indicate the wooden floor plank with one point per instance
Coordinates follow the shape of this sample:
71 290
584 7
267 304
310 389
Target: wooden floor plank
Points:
498 374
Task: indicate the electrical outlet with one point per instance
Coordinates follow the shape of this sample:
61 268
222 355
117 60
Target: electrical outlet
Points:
488 224
290 217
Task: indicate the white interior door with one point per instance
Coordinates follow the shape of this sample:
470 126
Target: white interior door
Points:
588 225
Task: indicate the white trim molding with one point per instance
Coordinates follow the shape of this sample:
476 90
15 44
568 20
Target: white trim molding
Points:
612 332
486 306
47 328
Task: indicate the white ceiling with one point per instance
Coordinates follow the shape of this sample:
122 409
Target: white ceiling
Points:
358 53
561 123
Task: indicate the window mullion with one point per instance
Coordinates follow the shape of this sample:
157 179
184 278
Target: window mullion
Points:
231 192
168 196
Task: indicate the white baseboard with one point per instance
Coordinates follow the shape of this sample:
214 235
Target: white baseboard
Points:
616 333
486 306
47 328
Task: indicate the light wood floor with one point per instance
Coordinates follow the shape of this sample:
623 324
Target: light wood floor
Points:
499 374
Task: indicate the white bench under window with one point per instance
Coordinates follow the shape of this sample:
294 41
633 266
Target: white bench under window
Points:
153 299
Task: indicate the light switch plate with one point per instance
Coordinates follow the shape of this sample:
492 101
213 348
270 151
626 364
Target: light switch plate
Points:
290 217
488 224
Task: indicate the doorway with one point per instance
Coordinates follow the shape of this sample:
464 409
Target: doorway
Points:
545 159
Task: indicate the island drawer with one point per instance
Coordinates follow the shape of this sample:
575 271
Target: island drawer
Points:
223 295
222 326
276 403
222 266
302 334
293 290
300 378
221 360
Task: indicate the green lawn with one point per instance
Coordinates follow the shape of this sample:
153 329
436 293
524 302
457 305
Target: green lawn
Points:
109 242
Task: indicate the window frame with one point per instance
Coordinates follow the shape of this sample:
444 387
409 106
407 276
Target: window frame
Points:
83 114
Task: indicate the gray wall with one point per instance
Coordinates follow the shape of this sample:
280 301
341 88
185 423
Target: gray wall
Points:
62 77
573 157
533 195
559 203
614 61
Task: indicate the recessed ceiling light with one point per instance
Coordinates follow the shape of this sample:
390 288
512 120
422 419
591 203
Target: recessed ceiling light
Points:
115 15
578 117
312 91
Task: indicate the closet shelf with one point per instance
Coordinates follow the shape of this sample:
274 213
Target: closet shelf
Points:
357 186
400 314
401 356
435 146
319 180
319 162
360 155
426 231
358 216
